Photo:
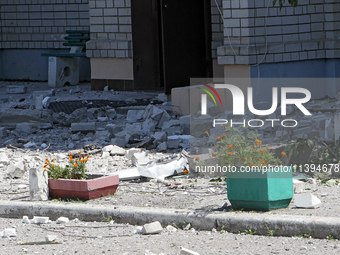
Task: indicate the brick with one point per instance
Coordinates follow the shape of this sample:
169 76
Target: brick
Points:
119 3
240 13
293 47
317 27
101 4
152 228
317 17
125 12
96 12
110 12
125 28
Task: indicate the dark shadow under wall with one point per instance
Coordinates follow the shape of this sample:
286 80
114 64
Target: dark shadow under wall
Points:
28 64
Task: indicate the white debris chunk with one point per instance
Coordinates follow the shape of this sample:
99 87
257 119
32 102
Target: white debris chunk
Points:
38 180
62 220
16 170
50 238
152 228
307 200
40 220
138 230
299 186
129 153
4 159
9 232
140 158
26 220
171 228
116 150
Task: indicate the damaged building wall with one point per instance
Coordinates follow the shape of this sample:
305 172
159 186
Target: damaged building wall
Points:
32 27
300 41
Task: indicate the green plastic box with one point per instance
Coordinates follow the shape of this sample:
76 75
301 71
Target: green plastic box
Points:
260 190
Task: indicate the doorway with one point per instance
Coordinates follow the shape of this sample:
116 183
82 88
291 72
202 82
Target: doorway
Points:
171 43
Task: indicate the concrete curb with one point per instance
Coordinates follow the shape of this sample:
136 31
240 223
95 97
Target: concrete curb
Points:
282 225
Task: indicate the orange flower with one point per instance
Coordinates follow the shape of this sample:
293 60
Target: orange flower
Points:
44 169
82 161
88 156
185 171
52 165
258 143
221 126
224 134
262 150
75 165
283 153
245 159
251 165
85 159
253 146
230 146
214 154
263 162
70 159
79 152
52 160
206 132
197 158
230 154
70 154
219 138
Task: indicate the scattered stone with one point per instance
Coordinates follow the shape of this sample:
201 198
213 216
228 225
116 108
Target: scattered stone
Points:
173 144
159 138
187 227
16 89
4 159
111 114
138 230
129 153
152 228
103 119
46 102
134 128
307 200
38 180
16 170
171 228
130 101
185 251
83 127
8 232
50 238
140 158
25 220
299 186
134 115
62 220
40 220
162 146
162 97
116 150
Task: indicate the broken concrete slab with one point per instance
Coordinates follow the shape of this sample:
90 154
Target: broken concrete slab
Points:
116 150
164 118
149 125
4 159
39 220
16 89
134 128
50 238
83 127
140 158
129 153
307 201
162 97
173 144
162 146
25 220
152 228
38 181
171 228
77 116
46 102
134 115
16 170
111 114
159 137
45 93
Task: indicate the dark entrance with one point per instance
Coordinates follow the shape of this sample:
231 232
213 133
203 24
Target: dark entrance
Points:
171 43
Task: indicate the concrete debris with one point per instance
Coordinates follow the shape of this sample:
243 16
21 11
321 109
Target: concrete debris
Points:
46 102
185 251
130 101
16 170
152 228
50 238
171 228
116 150
162 146
16 89
162 97
40 220
129 153
307 201
4 159
140 158
111 114
79 115
38 180
62 220
83 127
159 137
25 220
173 144
8 232
299 186
138 230
134 115
39 103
